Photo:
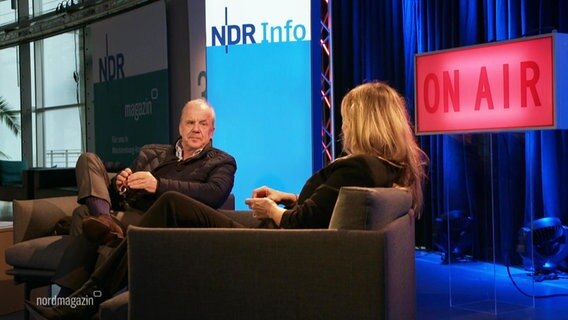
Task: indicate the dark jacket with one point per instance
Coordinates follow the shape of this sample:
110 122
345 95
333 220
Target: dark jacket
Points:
319 195
207 177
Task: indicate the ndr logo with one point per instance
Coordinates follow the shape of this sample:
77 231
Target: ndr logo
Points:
111 67
246 33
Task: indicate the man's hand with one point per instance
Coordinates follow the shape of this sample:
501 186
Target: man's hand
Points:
121 180
143 180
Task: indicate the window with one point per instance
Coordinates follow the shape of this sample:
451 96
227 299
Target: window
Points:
7 14
44 6
10 143
58 105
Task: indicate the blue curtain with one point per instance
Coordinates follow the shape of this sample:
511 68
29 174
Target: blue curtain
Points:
502 180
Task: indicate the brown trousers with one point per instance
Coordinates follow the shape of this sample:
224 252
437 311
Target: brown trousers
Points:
81 256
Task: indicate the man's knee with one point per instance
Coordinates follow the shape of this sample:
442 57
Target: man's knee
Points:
88 157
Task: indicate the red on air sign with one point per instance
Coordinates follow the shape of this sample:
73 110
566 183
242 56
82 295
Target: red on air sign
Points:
492 87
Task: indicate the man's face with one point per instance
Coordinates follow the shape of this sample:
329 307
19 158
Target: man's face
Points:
196 127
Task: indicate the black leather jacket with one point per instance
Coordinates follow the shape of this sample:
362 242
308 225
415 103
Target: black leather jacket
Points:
207 177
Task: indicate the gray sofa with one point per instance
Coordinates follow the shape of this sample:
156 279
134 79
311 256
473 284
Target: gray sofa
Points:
360 268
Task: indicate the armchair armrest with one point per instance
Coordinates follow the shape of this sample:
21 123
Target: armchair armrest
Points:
229 203
37 218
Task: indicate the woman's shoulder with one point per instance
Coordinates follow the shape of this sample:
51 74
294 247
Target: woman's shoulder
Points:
358 162
364 167
358 159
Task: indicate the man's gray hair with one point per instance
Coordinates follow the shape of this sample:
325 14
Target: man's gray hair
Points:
200 102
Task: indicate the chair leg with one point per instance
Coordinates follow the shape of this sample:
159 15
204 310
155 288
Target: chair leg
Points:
28 287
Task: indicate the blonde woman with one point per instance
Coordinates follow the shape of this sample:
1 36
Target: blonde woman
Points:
380 149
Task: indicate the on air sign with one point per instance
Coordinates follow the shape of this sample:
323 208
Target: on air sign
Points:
510 85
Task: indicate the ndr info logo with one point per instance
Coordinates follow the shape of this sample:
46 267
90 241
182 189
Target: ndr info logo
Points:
248 33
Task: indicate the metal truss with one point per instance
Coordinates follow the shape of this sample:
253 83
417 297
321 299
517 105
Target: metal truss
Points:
327 132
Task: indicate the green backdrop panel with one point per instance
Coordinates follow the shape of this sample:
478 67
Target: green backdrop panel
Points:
130 113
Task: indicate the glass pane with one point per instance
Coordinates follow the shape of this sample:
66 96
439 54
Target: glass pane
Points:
62 142
57 138
60 61
7 14
44 6
10 142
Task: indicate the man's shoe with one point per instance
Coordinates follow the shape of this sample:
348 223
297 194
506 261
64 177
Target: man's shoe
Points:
102 229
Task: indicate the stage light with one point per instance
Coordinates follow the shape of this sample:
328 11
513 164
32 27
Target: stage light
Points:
456 244
544 247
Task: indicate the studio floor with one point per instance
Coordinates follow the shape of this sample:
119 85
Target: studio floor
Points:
476 290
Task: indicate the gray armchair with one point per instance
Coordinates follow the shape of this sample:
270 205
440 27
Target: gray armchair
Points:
37 249
361 268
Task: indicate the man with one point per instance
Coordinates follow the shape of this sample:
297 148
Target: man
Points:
192 166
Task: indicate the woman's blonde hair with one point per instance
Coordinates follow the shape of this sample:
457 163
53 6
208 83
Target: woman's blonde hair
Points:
376 122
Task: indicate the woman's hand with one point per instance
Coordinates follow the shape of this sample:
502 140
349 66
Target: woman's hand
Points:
265 208
287 199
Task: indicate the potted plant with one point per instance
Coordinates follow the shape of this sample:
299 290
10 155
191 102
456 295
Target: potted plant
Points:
10 119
